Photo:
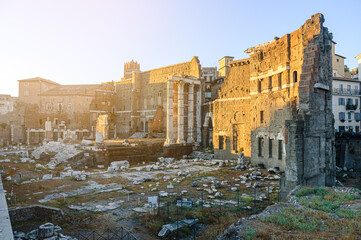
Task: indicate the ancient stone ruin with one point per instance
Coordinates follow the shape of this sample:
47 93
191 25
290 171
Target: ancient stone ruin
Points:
276 105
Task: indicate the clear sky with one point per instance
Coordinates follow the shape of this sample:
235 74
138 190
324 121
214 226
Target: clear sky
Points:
88 41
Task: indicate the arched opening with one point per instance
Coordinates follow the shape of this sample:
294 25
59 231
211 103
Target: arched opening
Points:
141 126
207 135
295 76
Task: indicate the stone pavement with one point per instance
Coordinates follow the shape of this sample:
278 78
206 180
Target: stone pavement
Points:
6 232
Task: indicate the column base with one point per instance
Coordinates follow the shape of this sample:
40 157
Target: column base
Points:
168 142
180 141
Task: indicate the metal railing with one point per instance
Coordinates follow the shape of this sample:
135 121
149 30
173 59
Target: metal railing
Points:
346 92
351 107
118 233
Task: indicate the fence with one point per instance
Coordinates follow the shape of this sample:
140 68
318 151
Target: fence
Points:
174 211
118 233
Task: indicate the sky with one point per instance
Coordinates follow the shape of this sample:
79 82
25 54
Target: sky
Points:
88 41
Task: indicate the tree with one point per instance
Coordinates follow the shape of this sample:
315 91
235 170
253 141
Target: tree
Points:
346 69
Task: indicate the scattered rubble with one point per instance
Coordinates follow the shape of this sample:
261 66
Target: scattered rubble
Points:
169 228
46 231
63 153
118 165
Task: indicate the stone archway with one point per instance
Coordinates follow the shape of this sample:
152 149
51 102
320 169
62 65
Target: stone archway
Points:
208 130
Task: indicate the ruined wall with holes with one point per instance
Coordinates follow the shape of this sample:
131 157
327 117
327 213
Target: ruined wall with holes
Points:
231 112
138 98
282 117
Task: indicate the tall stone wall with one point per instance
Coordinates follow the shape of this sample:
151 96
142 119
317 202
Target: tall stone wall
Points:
231 112
282 117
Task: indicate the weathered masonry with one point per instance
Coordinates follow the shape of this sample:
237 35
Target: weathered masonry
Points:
163 102
277 105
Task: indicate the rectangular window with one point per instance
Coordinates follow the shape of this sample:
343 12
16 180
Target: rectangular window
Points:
356 90
348 88
341 116
349 115
341 101
270 83
357 129
356 101
280 149
259 147
260 86
261 116
341 128
220 142
349 101
270 148
280 80
341 88
208 95
357 116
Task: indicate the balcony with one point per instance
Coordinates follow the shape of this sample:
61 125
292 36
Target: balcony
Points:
352 92
351 107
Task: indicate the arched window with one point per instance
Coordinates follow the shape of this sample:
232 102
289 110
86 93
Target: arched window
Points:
295 76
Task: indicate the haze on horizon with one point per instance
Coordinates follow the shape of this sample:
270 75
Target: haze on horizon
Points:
85 42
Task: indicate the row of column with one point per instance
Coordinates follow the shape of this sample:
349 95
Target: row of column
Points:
180 139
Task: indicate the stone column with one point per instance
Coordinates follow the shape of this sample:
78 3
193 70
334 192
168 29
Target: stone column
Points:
190 113
180 113
12 133
28 136
198 114
169 130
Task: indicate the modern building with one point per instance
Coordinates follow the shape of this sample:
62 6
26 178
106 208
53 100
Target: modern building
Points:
224 65
209 75
29 89
345 96
7 103
51 111
11 121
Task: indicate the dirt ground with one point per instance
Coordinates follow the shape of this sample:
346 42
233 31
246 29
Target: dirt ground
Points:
26 188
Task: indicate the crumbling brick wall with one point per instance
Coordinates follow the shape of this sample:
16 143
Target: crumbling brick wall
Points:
283 117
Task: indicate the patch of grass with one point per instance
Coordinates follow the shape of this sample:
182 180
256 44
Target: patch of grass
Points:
348 213
320 203
296 219
324 199
250 234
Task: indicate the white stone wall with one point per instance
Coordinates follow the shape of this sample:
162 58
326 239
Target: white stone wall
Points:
359 66
337 108
7 104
